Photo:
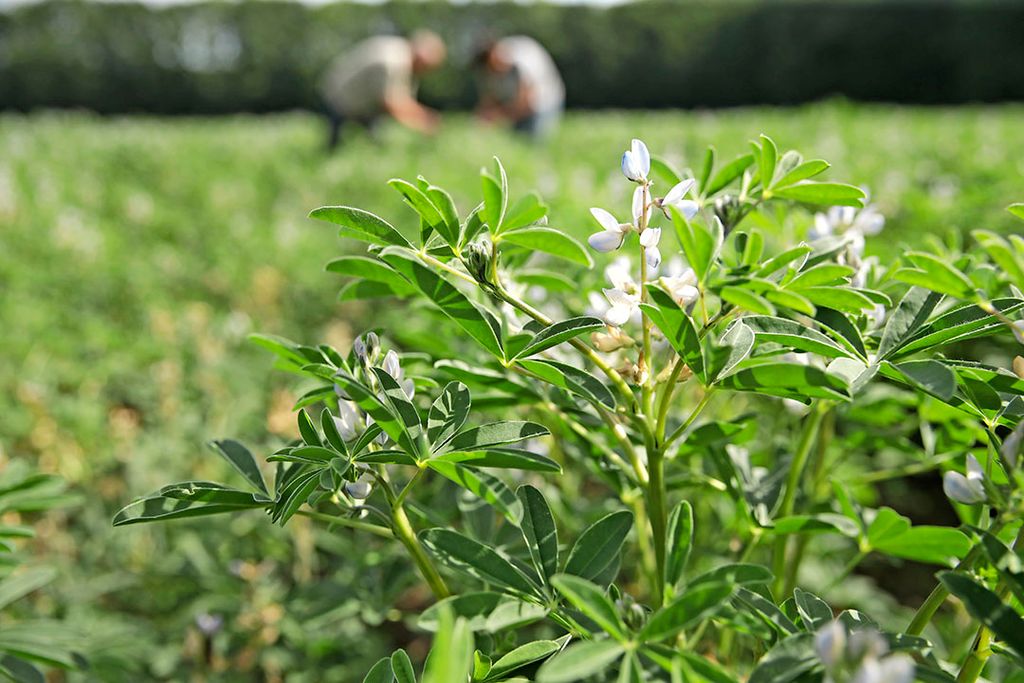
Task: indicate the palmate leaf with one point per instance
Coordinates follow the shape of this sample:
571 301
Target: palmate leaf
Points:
680 543
242 460
400 405
361 225
559 332
695 604
163 508
822 194
483 485
425 208
448 413
472 558
910 315
539 531
501 458
526 211
678 329
728 173
986 607
592 602
370 271
790 659
477 322
486 612
786 380
521 656
580 660
549 241
494 434
959 324
814 612
570 378
700 244
892 534
383 415
599 544
793 335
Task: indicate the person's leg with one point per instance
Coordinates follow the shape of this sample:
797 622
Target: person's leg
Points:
335 121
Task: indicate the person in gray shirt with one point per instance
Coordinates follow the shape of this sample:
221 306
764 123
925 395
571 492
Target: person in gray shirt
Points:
377 78
520 84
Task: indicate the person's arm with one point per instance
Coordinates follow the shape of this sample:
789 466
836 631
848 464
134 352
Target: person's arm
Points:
407 111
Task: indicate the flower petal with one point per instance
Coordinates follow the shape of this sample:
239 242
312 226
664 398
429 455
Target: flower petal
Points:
641 157
629 167
650 237
605 219
958 488
618 314
639 205
605 241
678 191
653 255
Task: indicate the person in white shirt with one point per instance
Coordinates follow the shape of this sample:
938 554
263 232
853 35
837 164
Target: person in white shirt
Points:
377 78
520 84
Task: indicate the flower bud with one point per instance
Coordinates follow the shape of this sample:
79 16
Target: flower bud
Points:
367 348
477 259
729 211
613 340
968 490
830 644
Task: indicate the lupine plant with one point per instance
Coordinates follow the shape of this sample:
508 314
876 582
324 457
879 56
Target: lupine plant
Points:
701 444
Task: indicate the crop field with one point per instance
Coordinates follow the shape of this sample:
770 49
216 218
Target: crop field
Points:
137 254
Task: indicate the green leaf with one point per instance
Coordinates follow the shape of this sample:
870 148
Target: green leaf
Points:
680 542
527 211
1006 561
767 160
539 531
162 509
495 192
822 194
474 559
380 672
578 661
986 607
740 574
400 405
242 460
968 321
1017 210
699 244
807 169
503 458
842 330
479 323
793 335
578 382
732 348
294 496
694 605
661 167
599 544
401 665
451 657
746 299
935 274
448 413
823 274
307 430
486 612
386 458
361 225
728 173
678 329
331 433
788 661
550 241
780 261
891 533
930 376
849 300
787 380
556 333
1000 251
521 656
911 313
484 486
382 415
814 612
765 610
791 300
824 522
421 204
495 434
592 602
19 585
451 228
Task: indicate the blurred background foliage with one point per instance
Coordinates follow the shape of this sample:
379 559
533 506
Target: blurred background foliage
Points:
215 57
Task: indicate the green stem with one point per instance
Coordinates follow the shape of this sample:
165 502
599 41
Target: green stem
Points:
658 509
796 469
346 522
405 533
939 594
981 650
694 414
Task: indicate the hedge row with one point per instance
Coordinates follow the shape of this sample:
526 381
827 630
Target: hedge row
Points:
259 56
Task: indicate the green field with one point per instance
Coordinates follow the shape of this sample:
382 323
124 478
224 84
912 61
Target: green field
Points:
136 254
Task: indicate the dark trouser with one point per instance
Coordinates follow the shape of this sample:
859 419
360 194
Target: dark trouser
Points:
337 121
539 125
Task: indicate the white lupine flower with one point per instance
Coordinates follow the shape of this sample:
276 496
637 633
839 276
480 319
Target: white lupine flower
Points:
649 239
618 273
1011 445
360 489
675 198
897 668
393 367
876 315
612 236
347 421
641 207
969 489
682 288
623 306
830 644
1018 331
847 220
636 162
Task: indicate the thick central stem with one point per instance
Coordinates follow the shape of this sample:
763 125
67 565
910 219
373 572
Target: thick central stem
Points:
658 508
407 535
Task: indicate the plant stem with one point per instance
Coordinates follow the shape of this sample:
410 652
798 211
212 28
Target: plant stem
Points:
981 650
405 533
796 469
346 522
694 414
939 594
658 509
